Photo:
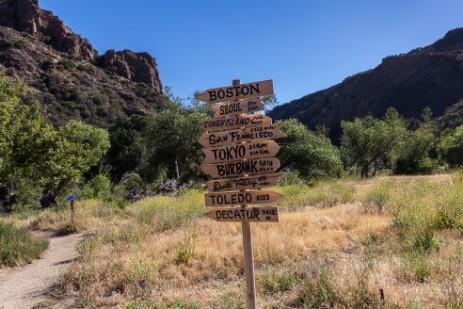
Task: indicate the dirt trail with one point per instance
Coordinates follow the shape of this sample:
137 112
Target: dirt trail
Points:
24 287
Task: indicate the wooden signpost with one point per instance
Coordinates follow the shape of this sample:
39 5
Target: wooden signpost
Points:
242 197
237 108
241 150
243 183
237 92
241 168
236 122
271 131
250 214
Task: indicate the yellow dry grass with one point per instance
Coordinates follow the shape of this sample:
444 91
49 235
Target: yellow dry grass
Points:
340 241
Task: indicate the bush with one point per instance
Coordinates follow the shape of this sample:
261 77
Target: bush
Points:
17 245
98 187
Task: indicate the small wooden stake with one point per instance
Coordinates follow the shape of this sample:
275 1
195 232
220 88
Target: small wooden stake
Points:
72 213
381 296
248 255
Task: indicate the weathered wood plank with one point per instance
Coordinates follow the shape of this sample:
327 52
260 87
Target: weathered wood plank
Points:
236 122
242 183
241 168
237 92
242 198
241 135
247 214
236 108
241 151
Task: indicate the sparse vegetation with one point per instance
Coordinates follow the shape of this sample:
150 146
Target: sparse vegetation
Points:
18 246
337 244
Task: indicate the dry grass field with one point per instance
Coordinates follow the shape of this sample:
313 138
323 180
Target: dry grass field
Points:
336 245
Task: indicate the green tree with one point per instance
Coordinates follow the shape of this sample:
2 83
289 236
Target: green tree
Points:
312 154
369 141
173 135
33 151
414 149
450 147
128 147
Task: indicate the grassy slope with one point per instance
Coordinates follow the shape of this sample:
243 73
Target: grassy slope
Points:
336 245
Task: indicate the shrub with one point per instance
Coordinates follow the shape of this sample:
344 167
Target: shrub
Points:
17 245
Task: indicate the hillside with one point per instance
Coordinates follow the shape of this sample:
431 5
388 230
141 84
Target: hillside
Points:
430 76
65 73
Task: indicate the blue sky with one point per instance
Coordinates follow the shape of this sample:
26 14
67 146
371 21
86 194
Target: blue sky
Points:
304 46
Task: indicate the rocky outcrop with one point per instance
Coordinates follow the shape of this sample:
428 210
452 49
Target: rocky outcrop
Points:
26 16
61 73
136 67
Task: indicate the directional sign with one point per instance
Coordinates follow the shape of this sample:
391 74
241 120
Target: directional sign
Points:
241 135
236 122
232 152
236 108
241 183
241 168
242 198
71 197
231 93
250 214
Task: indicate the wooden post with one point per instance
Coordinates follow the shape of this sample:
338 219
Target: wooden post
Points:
72 212
176 170
248 255
381 297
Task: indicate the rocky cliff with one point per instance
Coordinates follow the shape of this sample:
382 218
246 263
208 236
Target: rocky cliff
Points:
65 73
430 76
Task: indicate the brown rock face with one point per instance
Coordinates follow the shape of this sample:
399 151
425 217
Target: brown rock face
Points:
136 67
25 15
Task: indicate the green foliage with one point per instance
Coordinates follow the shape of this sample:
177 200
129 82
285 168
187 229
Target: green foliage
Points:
311 153
291 178
173 135
128 147
186 250
18 44
97 187
275 281
371 141
17 245
32 150
450 147
414 151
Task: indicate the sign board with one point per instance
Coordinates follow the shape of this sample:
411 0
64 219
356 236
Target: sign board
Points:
71 197
237 92
242 183
242 198
237 108
241 168
236 122
241 135
232 152
250 214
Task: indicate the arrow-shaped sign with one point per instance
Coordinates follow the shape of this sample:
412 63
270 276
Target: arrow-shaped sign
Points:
250 214
238 92
232 152
241 135
241 183
242 198
236 122
241 168
236 108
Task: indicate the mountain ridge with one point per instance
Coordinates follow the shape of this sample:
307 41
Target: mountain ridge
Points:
430 76
65 73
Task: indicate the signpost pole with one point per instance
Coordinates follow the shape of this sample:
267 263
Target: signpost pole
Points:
248 254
